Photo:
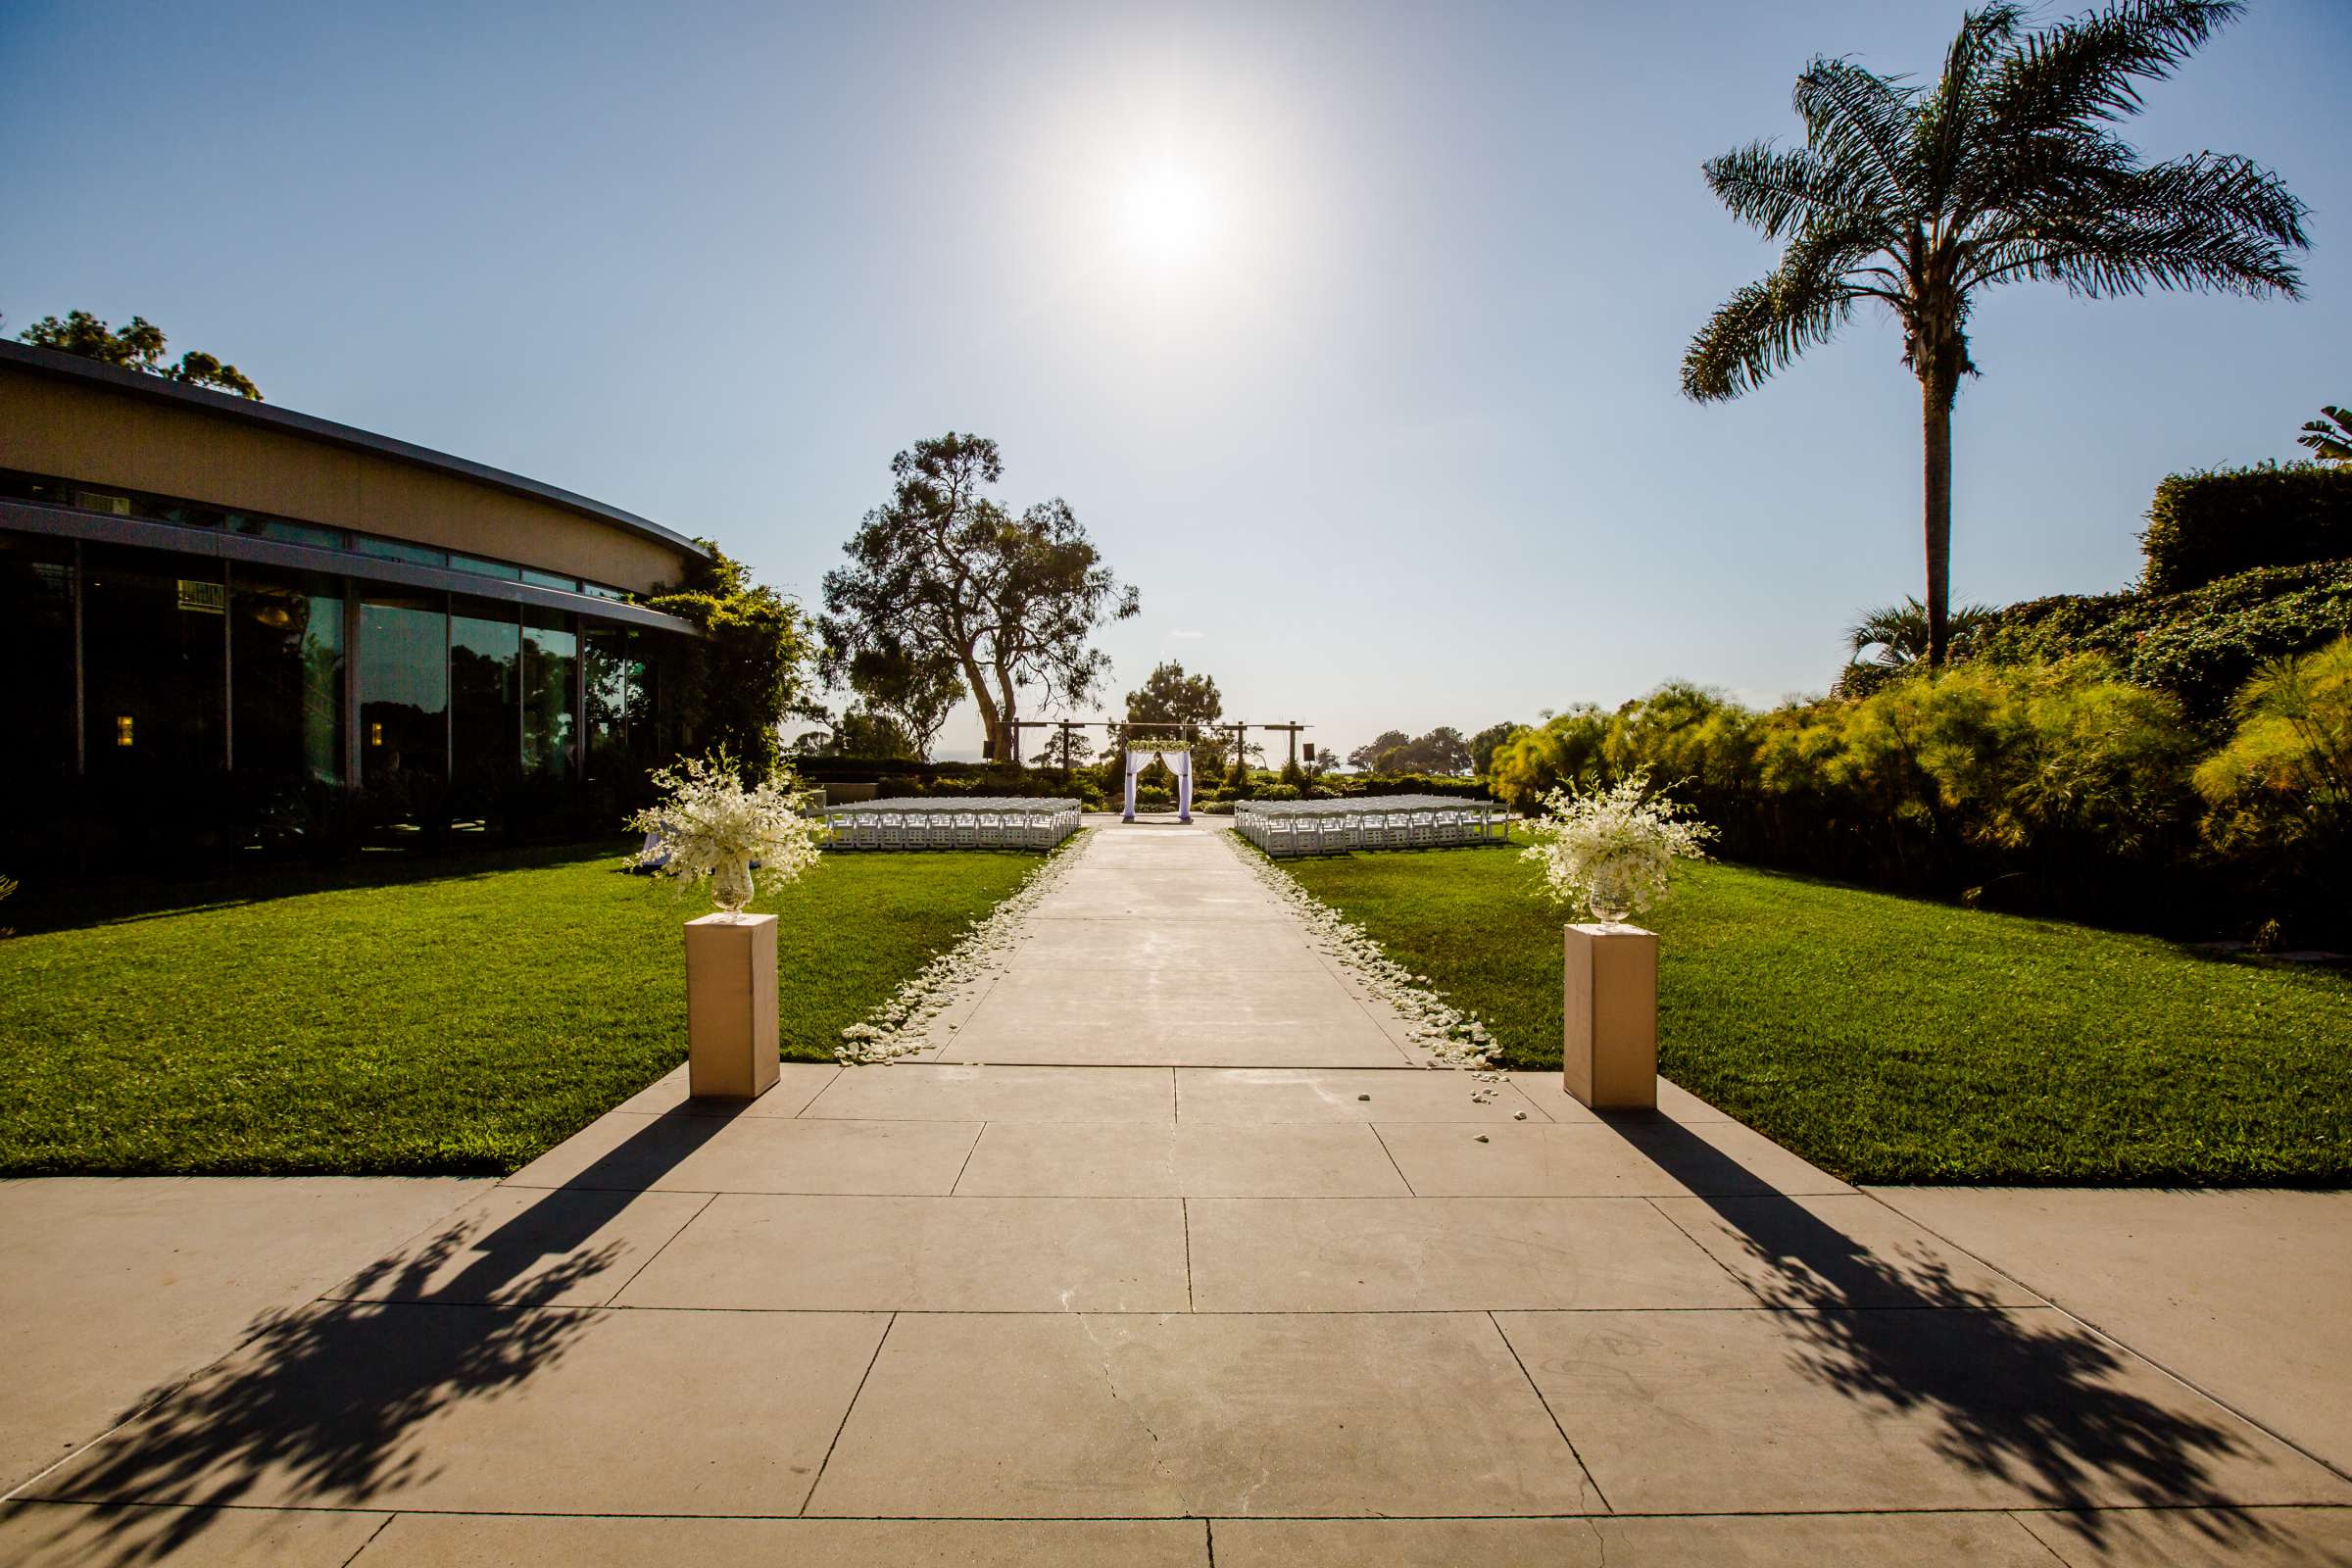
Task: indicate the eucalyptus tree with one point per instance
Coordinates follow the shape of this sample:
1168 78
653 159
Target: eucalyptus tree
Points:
943 572
140 345
2005 168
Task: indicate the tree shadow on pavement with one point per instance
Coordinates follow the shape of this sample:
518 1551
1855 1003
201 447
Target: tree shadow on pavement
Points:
321 1405
2031 1398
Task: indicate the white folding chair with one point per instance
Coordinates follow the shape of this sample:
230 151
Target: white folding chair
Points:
967 830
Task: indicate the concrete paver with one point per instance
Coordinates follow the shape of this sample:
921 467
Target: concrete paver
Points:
1257 1095
425 1540
542 1409
926 1092
1171 1250
1834 1540
923 1254
2247 1295
1446 1254
114 1289
71 1535
755 1154
1840 1410
1180 1161
1210 1414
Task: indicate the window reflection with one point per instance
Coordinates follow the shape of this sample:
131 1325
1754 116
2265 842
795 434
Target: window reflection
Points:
550 665
485 690
607 652
286 648
154 653
36 650
404 690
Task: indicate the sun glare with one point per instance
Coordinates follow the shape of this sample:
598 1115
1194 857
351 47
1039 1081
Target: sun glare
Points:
1168 214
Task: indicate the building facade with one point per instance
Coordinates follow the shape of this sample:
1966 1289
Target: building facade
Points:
256 620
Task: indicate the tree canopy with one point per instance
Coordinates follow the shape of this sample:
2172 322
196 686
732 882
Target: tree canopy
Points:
746 674
1919 197
1442 751
137 347
943 573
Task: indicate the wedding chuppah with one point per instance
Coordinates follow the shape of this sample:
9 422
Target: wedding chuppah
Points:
1177 756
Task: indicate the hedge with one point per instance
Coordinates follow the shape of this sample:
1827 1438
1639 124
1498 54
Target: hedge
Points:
2200 646
2209 525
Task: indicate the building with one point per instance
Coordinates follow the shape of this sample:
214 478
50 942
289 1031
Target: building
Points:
224 612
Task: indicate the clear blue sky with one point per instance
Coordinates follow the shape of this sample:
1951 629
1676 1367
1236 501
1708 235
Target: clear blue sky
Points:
1350 332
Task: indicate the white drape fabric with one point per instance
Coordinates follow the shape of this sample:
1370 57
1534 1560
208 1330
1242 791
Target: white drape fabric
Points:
1180 762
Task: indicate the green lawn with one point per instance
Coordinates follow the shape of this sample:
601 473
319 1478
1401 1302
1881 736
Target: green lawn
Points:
1893 1041
459 1019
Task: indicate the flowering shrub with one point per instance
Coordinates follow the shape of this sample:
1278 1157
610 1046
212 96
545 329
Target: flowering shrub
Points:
708 824
1609 852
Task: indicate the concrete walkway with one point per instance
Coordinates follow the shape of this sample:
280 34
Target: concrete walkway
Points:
1170 1253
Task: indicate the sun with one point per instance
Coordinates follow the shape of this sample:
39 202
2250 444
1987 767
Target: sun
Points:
1167 214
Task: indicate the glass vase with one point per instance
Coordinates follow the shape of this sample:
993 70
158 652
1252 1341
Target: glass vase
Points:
731 886
1610 894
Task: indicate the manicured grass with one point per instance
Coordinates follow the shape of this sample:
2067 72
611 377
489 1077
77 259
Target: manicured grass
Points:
461 1020
1893 1041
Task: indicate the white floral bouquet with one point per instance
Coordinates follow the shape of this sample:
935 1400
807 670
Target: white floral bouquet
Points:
709 827
1609 852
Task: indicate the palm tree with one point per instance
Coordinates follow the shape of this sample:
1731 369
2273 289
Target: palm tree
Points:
1899 632
2006 169
2329 435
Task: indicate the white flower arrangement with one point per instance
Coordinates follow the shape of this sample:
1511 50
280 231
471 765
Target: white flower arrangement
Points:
1609 853
709 827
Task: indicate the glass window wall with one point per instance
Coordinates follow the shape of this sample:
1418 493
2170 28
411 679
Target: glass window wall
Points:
155 651
607 652
404 689
485 694
287 657
550 664
36 650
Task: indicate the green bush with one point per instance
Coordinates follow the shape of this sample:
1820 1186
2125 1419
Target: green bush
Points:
2206 526
2284 784
2056 786
2200 645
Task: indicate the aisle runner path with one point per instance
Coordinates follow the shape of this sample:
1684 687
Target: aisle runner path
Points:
1198 1264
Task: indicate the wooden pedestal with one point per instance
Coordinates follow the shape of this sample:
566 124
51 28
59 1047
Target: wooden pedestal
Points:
1609 1038
731 1007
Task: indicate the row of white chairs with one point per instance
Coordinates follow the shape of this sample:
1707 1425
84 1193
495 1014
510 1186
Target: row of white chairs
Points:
950 829
1341 832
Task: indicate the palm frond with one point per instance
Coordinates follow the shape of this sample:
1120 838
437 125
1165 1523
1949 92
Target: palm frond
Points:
2329 435
1768 323
1943 135
1776 189
2210 221
1859 124
2086 68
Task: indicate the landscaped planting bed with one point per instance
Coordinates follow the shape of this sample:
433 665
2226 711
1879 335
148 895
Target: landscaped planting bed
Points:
1890 1040
460 1019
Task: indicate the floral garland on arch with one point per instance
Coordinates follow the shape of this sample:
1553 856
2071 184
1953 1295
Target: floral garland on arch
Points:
708 827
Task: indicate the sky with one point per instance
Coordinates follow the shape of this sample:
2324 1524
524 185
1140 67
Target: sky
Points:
1351 332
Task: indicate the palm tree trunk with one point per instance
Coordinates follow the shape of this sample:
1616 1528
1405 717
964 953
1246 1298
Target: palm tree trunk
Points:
1937 387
